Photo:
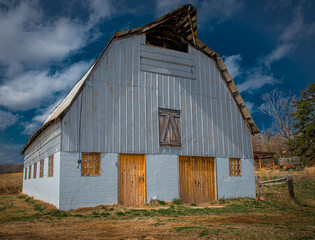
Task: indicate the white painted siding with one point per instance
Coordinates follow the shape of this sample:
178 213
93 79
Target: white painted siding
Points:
46 188
162 177
232 187
87 191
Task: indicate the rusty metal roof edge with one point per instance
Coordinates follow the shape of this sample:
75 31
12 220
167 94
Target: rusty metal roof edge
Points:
201 46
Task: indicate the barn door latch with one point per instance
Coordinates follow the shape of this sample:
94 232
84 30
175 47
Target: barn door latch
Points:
197 183
141 178
79 162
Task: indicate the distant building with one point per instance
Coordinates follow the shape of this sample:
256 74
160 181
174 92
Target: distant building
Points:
157 116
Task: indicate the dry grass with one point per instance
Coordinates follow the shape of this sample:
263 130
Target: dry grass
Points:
303 182
22 217
11 183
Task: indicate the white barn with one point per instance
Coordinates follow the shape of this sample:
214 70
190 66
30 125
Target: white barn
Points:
157 116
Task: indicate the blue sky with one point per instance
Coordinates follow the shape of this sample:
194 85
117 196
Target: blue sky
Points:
46 46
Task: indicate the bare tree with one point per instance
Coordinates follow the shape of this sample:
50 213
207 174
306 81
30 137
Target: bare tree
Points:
279 107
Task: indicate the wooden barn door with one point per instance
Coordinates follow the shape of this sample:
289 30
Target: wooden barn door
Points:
132 179
196 179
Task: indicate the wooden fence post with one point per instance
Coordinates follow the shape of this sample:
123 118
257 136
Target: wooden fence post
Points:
290 186
258 186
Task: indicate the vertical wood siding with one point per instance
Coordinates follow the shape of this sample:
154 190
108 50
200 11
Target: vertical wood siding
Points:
196 179
117 111
132 179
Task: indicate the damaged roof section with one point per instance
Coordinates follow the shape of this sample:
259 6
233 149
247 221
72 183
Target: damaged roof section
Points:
175 30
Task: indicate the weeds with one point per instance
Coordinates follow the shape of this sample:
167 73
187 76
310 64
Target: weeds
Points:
177 201
162 203
58 213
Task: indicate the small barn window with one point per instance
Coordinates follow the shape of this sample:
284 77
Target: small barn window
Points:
51 166
90 164
41 168
170 131
35 170
25 174
235 167
30 172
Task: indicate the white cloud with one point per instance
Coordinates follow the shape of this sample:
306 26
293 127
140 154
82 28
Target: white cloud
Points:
289 38
100 9
30 127
280 52
40 118
37 88
233 64
7 119
256 79
219 9
29 39
250 106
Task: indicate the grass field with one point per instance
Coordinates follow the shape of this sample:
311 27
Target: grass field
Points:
11 183
276 217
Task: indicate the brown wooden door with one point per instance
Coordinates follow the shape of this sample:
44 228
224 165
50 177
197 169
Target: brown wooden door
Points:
196 179
132 179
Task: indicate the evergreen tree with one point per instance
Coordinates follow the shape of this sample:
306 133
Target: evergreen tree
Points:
303 141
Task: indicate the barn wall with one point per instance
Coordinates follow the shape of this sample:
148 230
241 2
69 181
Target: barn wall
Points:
46 188
232 187
162 177
117 111
77 191
48 142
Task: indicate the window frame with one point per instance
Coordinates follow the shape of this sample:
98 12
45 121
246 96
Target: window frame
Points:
30 172
96 168
35 171
235 167
169 128
25 173
51 165
41 168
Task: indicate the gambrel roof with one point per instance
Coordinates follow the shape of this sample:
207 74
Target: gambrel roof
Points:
177 29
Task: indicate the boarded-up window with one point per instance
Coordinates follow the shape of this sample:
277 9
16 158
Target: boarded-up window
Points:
170 131
25 173
41 169
51 166
30 172
35 170
235 167
90 164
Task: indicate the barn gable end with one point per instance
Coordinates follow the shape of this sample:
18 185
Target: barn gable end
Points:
117 108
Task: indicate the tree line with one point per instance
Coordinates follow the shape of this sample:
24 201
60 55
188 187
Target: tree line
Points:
11 168
293 125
